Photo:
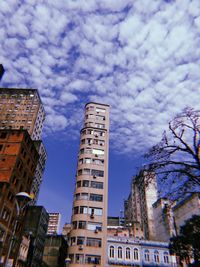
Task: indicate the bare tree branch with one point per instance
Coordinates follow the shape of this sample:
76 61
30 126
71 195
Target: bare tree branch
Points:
177 155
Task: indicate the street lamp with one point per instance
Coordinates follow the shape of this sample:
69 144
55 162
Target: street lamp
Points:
21 200
67 261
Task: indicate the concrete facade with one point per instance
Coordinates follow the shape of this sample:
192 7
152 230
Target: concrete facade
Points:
138 207
185 209
89 219
55 251
164 219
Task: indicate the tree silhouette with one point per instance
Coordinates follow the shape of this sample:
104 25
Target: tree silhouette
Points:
186 245
176 158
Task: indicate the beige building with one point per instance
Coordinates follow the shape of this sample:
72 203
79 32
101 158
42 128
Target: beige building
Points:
164 219
169 216
138 209
185 209
89 219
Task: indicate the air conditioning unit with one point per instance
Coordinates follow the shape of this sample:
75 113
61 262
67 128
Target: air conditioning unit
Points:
96 135
96 155
80 247
96 231
94 176
92 216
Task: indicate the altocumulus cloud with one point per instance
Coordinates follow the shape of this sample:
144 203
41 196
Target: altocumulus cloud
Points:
142 57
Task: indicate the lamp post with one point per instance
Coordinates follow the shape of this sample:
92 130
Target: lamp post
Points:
67 261
21 200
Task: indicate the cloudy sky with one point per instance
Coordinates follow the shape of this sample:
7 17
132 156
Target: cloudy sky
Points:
141 57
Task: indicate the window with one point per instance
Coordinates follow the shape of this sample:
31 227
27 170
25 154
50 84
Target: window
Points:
81 225
98 151
156 256
79 258
93 242
95 211
89 141
135 254
82 151
85 183
98 161
84 196
76 210
86 171
94 259
83 132
80 161
77 196
128 253
73 241
112 252
97 173
88 150
98 133
83 210
94 226
78 184
100 110
87 160
166 257
83 141
80 172
1 147
90 131
3 135
89 116
97 185
90 108
96 197
100 126
119 253
100 118
80 240
146 255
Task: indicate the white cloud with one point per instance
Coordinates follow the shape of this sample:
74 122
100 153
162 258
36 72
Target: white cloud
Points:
56 122
142 57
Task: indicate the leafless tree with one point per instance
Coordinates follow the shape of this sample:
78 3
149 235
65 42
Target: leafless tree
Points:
176 158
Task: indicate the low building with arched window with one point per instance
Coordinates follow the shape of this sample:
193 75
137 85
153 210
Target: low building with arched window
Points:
126 251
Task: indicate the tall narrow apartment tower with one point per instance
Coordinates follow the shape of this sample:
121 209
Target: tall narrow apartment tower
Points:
89 213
